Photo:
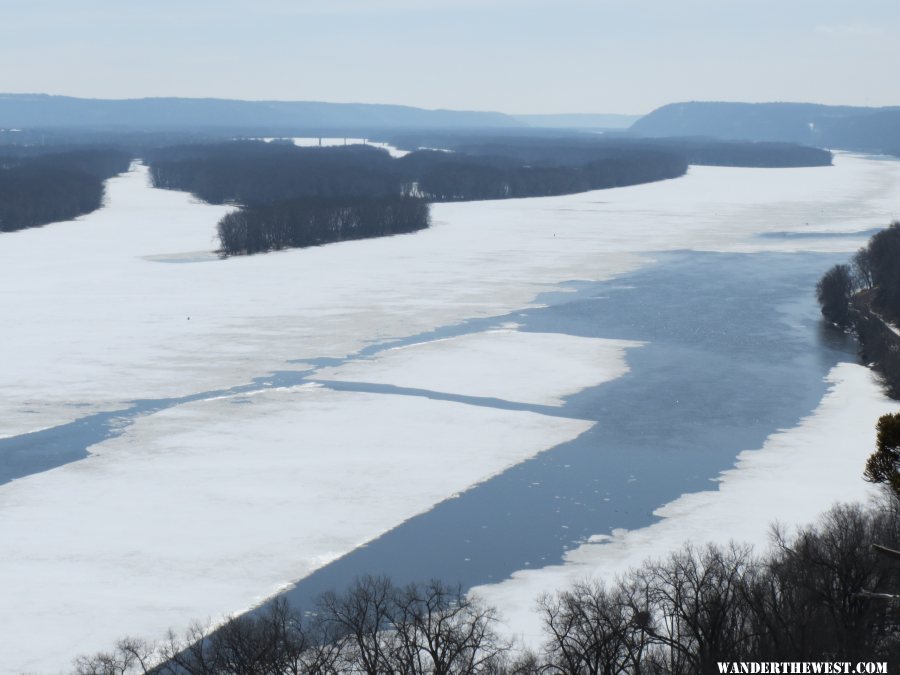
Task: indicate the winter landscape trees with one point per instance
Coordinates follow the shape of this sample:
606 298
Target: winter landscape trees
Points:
292 196
812 597
833 292
315 221
864 297
39 185
883 465
37 188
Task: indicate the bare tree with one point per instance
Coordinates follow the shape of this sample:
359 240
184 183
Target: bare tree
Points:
131 655
358 621
441 630
695 599
820 594
833 292
191 653
862 269
589 630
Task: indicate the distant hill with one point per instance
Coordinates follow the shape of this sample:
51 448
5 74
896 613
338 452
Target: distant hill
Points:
578 121
841 127
31 111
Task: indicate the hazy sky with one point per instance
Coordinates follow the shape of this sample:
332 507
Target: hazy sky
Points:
520 56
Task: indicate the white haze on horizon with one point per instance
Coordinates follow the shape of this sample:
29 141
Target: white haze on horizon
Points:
602 56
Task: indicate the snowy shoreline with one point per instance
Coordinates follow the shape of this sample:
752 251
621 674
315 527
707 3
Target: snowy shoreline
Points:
828 448
250 473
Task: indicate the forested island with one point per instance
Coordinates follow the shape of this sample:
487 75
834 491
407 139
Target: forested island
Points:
299 196
38 186
573 149
313 221
295 196
290 196
757 154
252 173
864 297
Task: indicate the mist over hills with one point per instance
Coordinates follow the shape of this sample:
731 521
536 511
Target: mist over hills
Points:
843 127
854 128
30 111
579 121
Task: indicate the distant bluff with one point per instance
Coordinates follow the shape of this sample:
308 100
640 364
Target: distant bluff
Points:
839 127
31 111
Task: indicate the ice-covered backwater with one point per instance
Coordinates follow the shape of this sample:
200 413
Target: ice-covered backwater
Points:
183 441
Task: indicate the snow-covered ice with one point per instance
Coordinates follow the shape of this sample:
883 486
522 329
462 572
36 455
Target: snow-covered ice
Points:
538 368
797 475
97 313
130 302
208 508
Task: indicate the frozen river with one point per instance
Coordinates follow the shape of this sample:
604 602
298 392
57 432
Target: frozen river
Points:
733 350
502 400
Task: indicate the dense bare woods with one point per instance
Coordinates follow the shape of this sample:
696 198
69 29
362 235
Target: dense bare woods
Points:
255 173
315 221
864 296
294 197
818 594
374 627
37 188
566 150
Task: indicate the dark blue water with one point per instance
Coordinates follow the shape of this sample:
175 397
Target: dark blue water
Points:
735 350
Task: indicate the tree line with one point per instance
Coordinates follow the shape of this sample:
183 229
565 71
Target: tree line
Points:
300 196
571 149
759 154
819 594
318 220
252 173
40 186
863 296
444 177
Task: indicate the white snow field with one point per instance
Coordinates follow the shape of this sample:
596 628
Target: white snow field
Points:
205 508
129 303
325 141
208 508
491 364
828 449
392 151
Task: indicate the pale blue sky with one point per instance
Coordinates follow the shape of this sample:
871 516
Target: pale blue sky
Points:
519 56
